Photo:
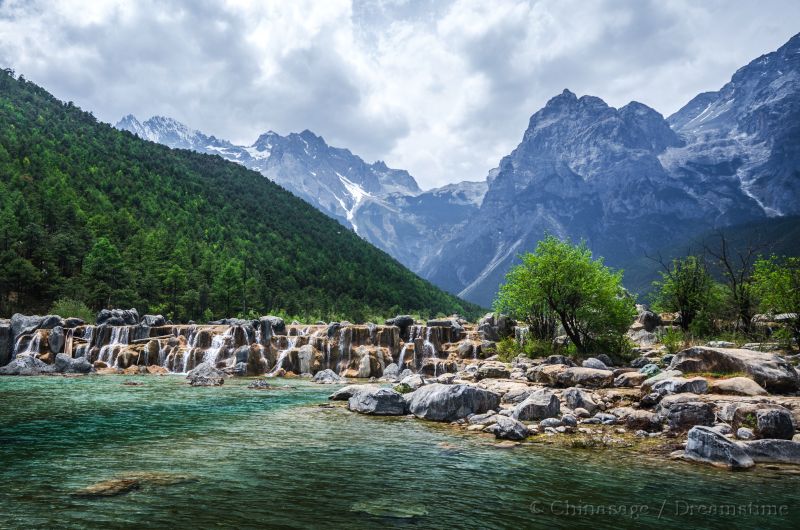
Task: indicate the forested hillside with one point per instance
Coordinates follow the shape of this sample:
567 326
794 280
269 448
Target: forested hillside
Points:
91 213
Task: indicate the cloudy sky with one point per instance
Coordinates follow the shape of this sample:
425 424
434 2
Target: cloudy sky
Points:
441 88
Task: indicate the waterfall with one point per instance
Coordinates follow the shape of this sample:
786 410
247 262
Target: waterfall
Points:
32 348
212 352
402 356
430 351
119 336
291 343
342 339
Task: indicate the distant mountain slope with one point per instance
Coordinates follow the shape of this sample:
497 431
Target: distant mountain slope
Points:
383 205
93 213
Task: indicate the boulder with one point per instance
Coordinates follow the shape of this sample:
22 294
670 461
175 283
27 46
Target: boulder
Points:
402 322
682 416
737 386
412 382
65 364
327 377
22 324
73 322
773 451
440 402
640 362
767 369
774 423
153 321
379 402
593 362
277 325
575 398
650 369
558 359
25 365
204 374
6 342
345 393
649 320
391 371
605 359
743 433
650 381
496 326
117 317
487 418
629 379
538 406
546 374
587 377
56 339
637 419
680 385
704 444
508 429
493 370
456 329
517 394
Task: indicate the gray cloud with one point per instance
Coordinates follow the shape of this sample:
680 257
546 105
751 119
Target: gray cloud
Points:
443 89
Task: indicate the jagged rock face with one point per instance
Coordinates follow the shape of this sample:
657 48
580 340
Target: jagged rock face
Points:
747 134
582 170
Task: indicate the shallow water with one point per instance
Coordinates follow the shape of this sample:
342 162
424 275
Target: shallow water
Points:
232 456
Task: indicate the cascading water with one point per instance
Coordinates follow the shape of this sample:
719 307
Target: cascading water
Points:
342 347
430 351
291 342
119 336
402 356
212 352
32 348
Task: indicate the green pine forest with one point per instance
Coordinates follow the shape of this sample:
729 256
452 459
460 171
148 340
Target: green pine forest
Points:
100 216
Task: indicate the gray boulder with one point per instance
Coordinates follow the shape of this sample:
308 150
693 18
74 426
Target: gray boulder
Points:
154 320
605 359
681 416
486 418
743 433
767 369
680 385
440 402
587 377
649 320
401 321
496 326
593 362
378 402
204 374
391 371
737 386
22 324
773 451
508 429
629 379
327 377
56 339
774 423
558 359
345 393
117 317
493 370
277 325
538 406
575 398
704 444
25 365
650 369
65 364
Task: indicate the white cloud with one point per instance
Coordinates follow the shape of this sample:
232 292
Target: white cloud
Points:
443 89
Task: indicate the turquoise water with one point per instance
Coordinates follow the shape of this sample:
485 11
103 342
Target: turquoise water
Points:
232 456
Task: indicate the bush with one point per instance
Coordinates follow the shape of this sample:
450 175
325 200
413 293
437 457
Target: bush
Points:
68 307
674 340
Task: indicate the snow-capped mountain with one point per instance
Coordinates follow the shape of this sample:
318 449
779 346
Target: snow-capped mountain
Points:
629 182
383 205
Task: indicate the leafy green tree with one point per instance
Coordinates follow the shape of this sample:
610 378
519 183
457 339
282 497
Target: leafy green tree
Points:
102 268
685 288
585 296
69 307
777 282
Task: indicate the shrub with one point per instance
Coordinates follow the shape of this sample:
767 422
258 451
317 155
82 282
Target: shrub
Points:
674 340
69 307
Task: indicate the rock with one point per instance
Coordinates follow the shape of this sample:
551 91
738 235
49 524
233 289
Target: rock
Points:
379 402
277 325
204 374
401 321
65 364
643 337
649 369
685 415
605 359
640 362
73 322
649 320
117 317
629 379
774 423
508 429
446 378
581 412
493 370
450 402
637 419
109 488
737 386
6 341
550 422
486 418
517 394
55 339
24 324
153 321
605 418
345 393
704 444
650 381
391 371
327 377
680 385
496 326
154 369
650 400
721 344
575 398
587 377
569 420
25 365
558 359
593 362
546 374
767 369
538 406
413 381
743 433
773 451
456 329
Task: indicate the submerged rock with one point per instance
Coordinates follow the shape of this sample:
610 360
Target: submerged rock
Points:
327 377
345 393
507 428
440 402
260 384
379 401
109 488
705 444
204 374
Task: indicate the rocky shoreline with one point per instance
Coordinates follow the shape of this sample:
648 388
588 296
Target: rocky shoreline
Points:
716 404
